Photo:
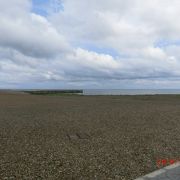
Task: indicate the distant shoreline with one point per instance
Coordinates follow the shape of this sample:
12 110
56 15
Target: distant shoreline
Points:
94 92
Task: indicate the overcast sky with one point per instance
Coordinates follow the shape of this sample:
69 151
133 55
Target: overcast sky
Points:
89 44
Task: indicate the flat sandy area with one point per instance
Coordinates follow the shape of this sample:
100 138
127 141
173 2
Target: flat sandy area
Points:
86 137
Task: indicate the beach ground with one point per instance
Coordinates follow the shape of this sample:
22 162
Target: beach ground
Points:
86 137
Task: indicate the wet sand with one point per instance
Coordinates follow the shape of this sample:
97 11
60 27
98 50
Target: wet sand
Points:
86 137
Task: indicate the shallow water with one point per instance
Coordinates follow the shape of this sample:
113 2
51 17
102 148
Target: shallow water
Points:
130 91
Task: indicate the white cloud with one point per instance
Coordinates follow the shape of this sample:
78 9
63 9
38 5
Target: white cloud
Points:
63 47
29 33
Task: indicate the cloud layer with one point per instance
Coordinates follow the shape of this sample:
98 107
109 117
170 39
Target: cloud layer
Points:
90 44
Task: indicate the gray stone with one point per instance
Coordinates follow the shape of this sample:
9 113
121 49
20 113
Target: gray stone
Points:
73 137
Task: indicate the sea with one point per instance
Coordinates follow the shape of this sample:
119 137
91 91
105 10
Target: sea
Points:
130 91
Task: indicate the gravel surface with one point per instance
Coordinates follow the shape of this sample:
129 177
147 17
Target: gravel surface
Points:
86 137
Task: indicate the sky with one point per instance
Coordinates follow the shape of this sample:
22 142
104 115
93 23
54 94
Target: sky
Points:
111 44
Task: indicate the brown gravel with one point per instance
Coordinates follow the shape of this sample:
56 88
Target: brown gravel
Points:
86 137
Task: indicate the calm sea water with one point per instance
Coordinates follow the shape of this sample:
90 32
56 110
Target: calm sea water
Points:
130 91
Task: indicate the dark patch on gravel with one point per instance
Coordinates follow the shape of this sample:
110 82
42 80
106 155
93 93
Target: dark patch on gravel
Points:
78 136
